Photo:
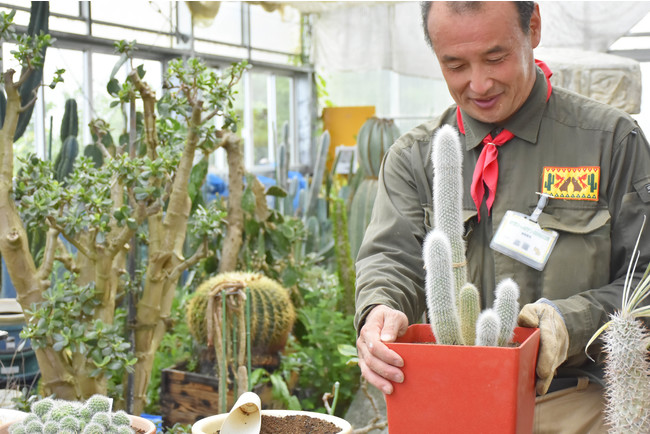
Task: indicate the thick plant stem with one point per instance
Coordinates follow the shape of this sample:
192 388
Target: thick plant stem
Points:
233 240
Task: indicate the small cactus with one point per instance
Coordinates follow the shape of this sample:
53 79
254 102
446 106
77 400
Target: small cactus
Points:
488 327
507 308
469 308
51 416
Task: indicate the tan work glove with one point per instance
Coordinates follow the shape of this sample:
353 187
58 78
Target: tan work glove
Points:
553 342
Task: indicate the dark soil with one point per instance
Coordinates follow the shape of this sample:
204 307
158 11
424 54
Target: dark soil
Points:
296 425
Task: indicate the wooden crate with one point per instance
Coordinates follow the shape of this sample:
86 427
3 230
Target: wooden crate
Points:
186 397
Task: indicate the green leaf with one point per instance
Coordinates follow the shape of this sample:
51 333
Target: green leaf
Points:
113 87
276 191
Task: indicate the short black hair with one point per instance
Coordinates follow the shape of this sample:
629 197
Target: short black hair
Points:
525 10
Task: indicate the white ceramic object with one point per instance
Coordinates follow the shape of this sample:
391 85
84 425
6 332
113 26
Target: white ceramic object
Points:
244 417
211 424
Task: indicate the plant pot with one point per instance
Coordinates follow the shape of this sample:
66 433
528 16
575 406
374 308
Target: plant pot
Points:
462 389
211 424
141 425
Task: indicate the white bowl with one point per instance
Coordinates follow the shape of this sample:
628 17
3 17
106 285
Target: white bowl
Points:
211 424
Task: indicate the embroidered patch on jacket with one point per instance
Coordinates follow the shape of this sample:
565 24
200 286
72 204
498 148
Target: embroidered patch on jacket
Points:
575 183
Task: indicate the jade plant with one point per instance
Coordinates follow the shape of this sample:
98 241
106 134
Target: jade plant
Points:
454 304
52 416
139 193
627 364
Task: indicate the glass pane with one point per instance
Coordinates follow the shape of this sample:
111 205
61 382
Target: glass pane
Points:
157 14
226 26
67 25
66 7
260 118
220 49
278 30
102 67
142 37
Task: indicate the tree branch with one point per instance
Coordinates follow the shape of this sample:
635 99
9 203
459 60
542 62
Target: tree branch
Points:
202 252
81 248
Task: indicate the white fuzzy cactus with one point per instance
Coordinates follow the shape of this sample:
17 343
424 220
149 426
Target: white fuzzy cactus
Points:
439 282
507 308
445 262
627 365
447 159
488 327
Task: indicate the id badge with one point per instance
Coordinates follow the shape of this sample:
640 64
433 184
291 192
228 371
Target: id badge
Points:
521 238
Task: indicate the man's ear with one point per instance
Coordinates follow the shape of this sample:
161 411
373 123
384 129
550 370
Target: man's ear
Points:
535 30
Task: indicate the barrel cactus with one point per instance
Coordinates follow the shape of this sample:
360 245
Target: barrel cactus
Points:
453 304
373 140
272 312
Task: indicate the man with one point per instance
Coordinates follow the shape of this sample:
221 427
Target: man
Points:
592 160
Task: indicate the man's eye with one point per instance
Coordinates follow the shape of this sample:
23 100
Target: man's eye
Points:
454 66
495 60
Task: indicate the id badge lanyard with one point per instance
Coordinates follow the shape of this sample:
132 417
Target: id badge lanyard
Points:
520 237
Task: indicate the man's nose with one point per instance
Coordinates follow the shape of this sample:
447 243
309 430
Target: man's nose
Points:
480 81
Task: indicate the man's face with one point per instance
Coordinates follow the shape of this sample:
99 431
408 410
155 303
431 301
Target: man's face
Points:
486 58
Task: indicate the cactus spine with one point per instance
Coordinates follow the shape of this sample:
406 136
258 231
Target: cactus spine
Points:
444 260
447 159
373 140
441 299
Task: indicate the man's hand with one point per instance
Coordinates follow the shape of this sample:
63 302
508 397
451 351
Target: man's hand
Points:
553 343
379 364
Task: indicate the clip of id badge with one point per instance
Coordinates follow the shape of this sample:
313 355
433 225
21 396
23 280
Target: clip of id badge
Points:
520 237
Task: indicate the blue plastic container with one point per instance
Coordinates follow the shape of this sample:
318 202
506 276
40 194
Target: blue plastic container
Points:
17 358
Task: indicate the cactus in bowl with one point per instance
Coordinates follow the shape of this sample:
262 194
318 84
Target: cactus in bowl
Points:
59 416
453 304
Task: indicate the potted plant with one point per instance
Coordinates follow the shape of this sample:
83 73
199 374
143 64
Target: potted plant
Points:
480 376
94 415
627 363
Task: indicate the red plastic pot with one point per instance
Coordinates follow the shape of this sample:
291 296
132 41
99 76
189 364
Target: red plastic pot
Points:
463 389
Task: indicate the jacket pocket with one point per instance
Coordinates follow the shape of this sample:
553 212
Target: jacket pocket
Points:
581 258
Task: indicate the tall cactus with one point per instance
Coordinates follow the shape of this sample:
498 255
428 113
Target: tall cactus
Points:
444 261
447 159
373 140
64 162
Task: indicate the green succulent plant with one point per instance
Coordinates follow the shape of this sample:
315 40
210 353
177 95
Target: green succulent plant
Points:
59 416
